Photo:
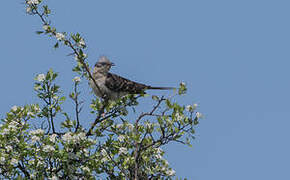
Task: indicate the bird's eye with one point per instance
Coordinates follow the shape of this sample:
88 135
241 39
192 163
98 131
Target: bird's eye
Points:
100 64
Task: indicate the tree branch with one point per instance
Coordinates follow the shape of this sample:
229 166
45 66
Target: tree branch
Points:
97 120
70 44
50 107
77 110
25 172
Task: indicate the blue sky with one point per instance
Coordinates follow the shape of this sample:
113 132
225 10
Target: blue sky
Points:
234 56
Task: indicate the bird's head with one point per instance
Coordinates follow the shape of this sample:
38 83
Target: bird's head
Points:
103 65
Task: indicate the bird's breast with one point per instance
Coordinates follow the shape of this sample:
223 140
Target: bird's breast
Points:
101 86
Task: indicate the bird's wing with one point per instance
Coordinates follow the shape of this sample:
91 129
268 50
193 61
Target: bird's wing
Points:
119 84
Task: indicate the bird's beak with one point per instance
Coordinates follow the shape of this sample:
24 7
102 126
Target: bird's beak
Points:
112 64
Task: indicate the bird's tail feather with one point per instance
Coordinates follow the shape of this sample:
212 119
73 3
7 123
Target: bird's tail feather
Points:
161 88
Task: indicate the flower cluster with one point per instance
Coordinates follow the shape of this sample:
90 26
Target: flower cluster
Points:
77 79
60 36
33 2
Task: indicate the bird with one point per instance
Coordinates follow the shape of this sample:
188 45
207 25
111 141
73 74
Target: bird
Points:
112 86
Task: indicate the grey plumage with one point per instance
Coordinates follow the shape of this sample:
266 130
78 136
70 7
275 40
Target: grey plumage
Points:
114 86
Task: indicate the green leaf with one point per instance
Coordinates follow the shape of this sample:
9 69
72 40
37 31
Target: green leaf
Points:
62 99
195 122
155 98
39 32
168 103
46 10
56 45
182 89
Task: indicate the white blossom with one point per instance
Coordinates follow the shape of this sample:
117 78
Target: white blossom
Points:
14 108
86 169
55 97
36 132
31 162
179 116
9 148
14 161
104 159
2 159
34 139
32 176
28 9
93 141
60 36
36 108
48 148
159 150
121 138
12 125
67 137
68 123
33 2
119 126
75 138
30 114
170 172
130 126
86 152
158 156
40 77
54 178
183 84
198 115
5 131
148 124
40 163
46 27
79 137
188 108
72 155
15 140
37 87
123 150
104 152
85 55
76 57
77 79
81 43
52 137
191 108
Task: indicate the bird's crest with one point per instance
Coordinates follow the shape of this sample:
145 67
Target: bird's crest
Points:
103 60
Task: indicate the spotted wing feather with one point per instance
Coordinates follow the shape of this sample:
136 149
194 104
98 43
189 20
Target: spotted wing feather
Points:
119 84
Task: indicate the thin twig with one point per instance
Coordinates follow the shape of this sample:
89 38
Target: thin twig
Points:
50 108
137 145
116 164
77 111
25 172
152 111
100 113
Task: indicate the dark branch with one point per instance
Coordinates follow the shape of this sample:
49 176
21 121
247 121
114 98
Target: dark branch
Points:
25 172
98 118
77 110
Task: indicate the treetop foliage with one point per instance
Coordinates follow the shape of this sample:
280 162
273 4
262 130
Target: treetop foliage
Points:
113 146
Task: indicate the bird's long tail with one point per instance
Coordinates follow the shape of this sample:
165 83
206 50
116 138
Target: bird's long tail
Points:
160 88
